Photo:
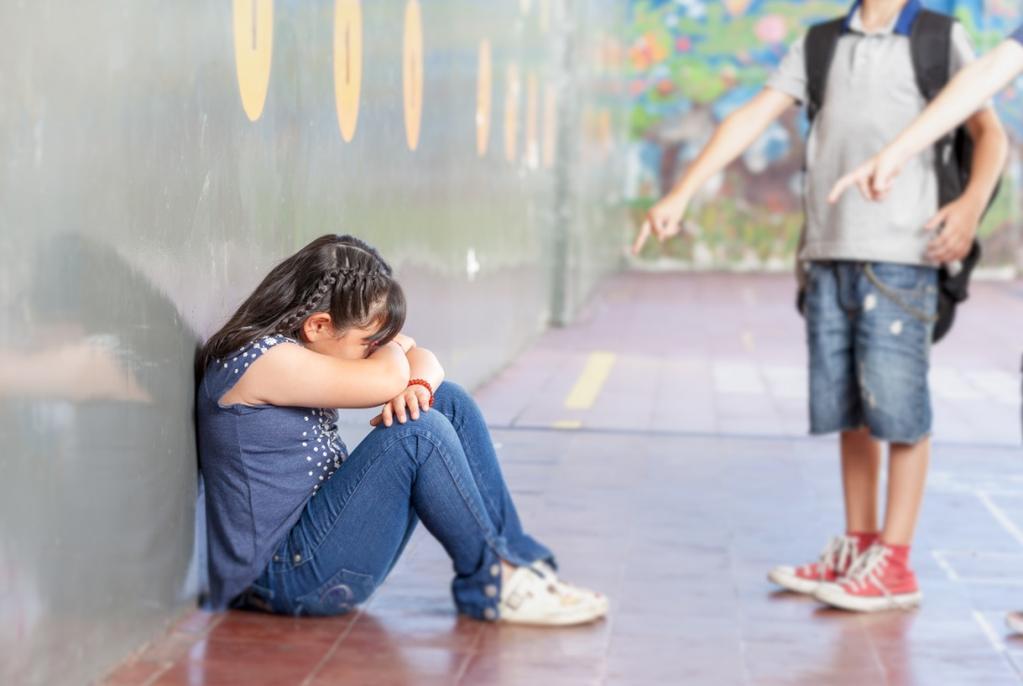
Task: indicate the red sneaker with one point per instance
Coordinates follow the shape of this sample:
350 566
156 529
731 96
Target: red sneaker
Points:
877 581
834 562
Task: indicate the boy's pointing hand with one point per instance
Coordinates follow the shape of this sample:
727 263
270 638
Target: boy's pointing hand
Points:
874 178
664 220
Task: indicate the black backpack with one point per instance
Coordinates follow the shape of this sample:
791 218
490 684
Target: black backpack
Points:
931 47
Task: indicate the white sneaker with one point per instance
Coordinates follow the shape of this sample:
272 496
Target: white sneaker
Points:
594 598
530 596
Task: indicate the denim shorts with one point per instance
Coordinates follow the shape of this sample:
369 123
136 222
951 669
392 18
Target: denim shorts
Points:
869 331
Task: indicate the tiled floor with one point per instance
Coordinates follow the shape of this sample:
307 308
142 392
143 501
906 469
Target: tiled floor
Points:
685 476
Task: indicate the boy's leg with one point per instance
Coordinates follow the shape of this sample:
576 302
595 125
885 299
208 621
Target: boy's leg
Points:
893 336
834 394
894 344
861 469
907 475
835 397
835 407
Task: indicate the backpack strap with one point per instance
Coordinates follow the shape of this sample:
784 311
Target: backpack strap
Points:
819 51
931 46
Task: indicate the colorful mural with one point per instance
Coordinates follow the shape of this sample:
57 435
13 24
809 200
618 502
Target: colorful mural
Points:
692 62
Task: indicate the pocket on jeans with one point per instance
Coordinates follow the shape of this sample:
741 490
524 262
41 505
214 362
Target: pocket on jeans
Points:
905 289
341 593
903 277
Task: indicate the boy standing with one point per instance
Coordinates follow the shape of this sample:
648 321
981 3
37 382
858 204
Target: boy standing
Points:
968 91
872 277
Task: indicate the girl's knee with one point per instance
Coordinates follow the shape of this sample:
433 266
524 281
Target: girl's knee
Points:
432 425
452 392
452 399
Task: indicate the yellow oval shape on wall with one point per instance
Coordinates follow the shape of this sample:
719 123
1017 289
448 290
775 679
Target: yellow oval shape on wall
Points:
484 94
412 73
253 52
347 64
550 125
512 91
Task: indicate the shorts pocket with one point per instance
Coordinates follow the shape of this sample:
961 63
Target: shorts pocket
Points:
341 593
912 290
902 277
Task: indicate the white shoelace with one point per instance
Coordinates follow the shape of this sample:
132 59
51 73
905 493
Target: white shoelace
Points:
867 569
839 554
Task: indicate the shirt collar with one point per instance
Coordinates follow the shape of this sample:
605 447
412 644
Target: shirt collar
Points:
902 26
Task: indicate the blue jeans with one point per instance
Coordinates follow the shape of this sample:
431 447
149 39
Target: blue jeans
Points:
869 333
441 469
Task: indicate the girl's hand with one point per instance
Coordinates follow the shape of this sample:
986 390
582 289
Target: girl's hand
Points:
408 404
664 220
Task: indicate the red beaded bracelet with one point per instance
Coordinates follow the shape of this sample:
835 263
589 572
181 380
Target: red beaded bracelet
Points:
425 384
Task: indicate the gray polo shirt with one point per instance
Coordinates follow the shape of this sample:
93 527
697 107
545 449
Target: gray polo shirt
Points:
872 95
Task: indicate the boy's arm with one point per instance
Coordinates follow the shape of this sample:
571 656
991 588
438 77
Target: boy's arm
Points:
965 93
736 133
959 219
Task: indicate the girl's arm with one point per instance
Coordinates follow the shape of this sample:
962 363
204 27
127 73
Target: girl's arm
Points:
290 375
964 95
423 364
416 398
737 132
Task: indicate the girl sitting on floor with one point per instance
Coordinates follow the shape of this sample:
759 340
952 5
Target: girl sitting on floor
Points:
298 526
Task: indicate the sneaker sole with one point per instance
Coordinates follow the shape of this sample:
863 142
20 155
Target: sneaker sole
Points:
575 619
790 582
843 601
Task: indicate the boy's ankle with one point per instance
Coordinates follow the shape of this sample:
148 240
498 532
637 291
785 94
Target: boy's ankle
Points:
864 539
898 554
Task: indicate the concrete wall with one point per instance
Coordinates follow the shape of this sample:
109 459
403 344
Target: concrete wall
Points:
141 197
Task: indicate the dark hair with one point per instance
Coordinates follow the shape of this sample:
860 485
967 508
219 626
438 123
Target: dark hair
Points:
340 275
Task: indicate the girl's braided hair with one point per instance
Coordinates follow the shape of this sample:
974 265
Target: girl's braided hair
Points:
340 275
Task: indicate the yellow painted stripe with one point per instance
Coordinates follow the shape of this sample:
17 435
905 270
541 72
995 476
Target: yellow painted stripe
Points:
567 424
591 381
